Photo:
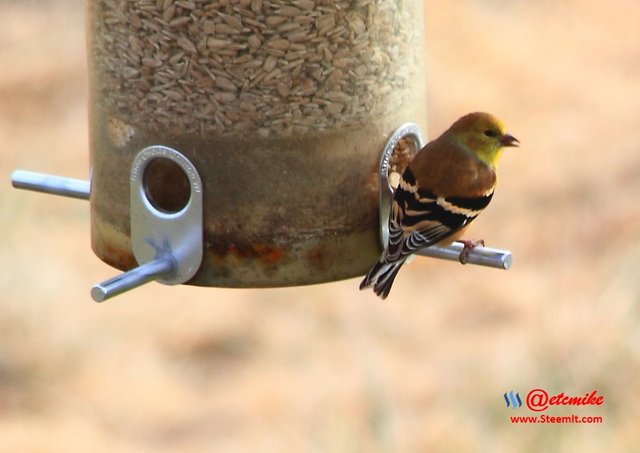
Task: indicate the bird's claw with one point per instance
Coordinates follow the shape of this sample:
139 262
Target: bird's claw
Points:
468 246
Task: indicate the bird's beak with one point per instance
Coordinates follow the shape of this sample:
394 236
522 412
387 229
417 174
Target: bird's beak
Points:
509 140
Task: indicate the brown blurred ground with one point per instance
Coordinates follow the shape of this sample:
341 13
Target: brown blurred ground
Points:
327 368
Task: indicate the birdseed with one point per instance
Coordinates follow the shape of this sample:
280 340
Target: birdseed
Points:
402 154
274 68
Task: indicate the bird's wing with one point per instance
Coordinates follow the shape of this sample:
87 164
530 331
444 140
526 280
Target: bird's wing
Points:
420 218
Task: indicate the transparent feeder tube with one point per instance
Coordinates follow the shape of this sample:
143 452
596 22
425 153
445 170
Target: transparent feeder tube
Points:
283 108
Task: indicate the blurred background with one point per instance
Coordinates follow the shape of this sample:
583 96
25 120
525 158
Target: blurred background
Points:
327 367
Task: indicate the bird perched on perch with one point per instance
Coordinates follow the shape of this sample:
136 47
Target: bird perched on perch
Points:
446 185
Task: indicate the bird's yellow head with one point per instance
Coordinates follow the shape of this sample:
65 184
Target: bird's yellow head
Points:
482 134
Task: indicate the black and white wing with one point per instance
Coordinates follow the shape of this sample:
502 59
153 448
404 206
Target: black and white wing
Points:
419 218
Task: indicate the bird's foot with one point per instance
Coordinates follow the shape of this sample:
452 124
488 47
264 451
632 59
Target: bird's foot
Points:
468 246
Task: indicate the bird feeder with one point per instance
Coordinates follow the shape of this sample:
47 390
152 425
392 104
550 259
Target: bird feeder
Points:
239 143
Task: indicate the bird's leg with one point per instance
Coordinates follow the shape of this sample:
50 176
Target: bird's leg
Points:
468 246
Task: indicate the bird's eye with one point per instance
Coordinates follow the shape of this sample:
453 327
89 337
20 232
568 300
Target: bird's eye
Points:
491 133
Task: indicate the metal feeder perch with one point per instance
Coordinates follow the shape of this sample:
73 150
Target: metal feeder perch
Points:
240 147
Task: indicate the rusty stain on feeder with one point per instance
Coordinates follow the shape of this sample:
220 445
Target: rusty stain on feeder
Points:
116 256
266 253
317 257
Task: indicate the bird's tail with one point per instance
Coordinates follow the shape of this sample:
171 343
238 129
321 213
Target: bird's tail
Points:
381 277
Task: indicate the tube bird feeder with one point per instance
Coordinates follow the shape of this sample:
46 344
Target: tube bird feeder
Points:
238 143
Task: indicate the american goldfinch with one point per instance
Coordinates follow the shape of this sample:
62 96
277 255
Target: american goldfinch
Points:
446 185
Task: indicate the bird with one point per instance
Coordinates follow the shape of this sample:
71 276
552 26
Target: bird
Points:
447 184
